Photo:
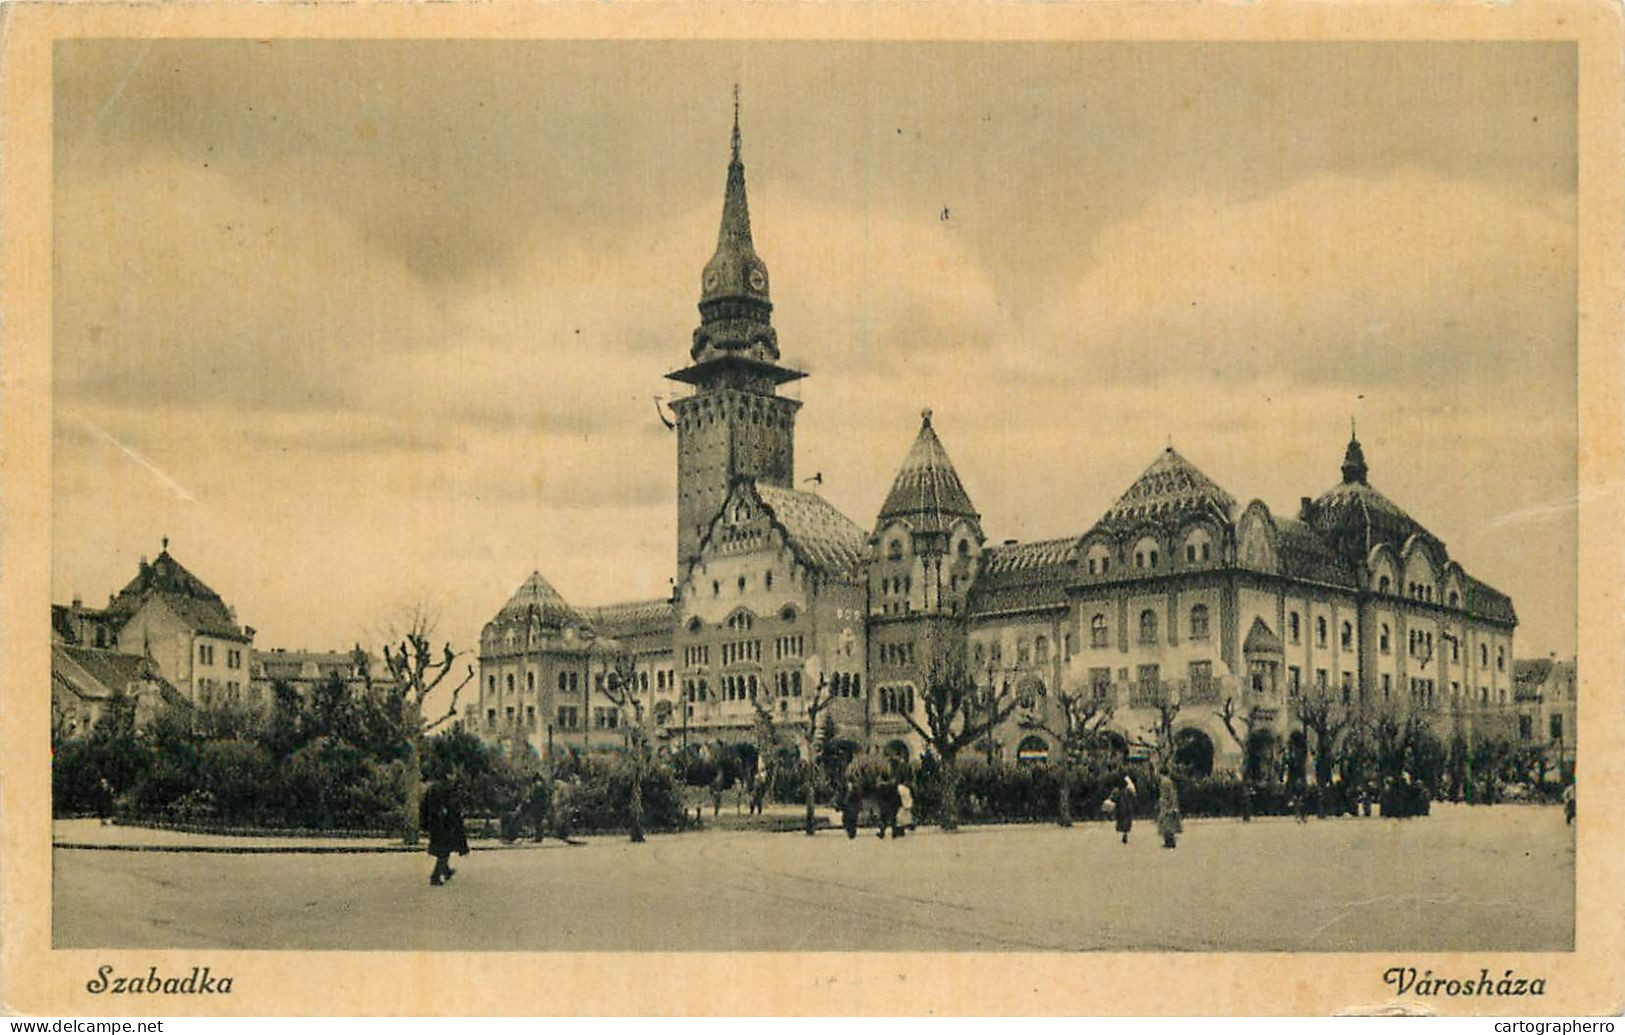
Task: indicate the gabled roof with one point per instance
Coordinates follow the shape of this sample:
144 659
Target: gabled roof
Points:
537 601
822 537
1170 489
927 492
96 675
1261 640
193 602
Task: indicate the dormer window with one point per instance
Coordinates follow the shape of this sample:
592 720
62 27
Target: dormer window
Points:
894 550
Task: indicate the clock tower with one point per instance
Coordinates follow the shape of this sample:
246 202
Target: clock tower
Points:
734 424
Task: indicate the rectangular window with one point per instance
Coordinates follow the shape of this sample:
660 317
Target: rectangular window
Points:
1320 679
1100 681
1526 727
1294 681
1557 726
1148 677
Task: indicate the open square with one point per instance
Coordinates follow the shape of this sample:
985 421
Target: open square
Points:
1485 879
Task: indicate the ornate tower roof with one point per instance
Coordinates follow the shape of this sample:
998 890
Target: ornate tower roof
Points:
1354 469
735 270
194 602
1169 489
536 599
735 343
927 492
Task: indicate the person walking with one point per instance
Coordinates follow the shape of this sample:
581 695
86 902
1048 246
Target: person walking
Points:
851 807
440 814
1125 808
905 808
1169 824
1568 803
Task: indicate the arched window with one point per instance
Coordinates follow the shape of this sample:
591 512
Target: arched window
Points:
1292 623
1139 558
1097 631
1382 638
1483 654
530 682
1199 622
561 682
1041 650
979 652
1320 632
964 548
767 580
1348 636
1501 659
1454 599
1382 584
510 682
894 550
1148 626
1021 651
491 683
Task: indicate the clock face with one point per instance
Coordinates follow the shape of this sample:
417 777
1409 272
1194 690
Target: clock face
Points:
758 280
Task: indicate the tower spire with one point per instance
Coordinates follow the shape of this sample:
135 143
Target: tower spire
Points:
736 125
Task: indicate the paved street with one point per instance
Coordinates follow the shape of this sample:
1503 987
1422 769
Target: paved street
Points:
1500 879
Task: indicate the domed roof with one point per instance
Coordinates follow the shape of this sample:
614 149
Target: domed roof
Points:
1170 489
927 492
1356 517
536 600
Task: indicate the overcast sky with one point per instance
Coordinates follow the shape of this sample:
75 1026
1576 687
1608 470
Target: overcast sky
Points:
361 324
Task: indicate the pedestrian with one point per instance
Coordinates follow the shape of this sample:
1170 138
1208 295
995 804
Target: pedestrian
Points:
905 808
716 795
758 790
1247 802
1125 808
1169 824
440 813
851 807
538 803
1300 803
887 803
104 801
1568 803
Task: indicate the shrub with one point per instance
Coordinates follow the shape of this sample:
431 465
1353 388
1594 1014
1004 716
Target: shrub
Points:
234 774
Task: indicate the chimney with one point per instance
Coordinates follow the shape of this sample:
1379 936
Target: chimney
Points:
1306 508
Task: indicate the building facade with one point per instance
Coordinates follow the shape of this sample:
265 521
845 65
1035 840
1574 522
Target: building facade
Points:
1177 596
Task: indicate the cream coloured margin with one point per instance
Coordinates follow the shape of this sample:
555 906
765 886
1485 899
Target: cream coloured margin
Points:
37 980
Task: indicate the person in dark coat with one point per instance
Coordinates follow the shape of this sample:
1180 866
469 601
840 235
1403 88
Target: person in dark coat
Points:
887 803
440 813
851 808
1125 808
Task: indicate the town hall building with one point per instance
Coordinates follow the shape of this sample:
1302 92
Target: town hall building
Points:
1177 593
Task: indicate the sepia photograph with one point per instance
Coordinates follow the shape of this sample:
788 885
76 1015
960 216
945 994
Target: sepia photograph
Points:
698 496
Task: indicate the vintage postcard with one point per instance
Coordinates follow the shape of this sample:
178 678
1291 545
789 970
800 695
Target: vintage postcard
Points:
785 508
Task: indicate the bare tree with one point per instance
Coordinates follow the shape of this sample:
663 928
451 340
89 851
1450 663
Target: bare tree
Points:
1249 720
958 713
1324 716
414 671
1163 698
1075 724
817 702
622 690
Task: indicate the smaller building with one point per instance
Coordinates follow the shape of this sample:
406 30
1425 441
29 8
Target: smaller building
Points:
85 679
1547 695
304 670
169 615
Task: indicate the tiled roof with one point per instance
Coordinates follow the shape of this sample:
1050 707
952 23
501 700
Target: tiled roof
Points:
1304 554
1170 488
536 600
821 536
638 617
97 674
927 492
184 593
1020 577
1485 601
1531 672
290 664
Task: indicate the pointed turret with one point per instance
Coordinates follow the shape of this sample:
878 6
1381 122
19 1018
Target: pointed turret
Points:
1170 488
536 599
927 492
735 270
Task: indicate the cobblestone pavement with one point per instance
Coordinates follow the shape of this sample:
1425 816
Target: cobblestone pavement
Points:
1489 879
